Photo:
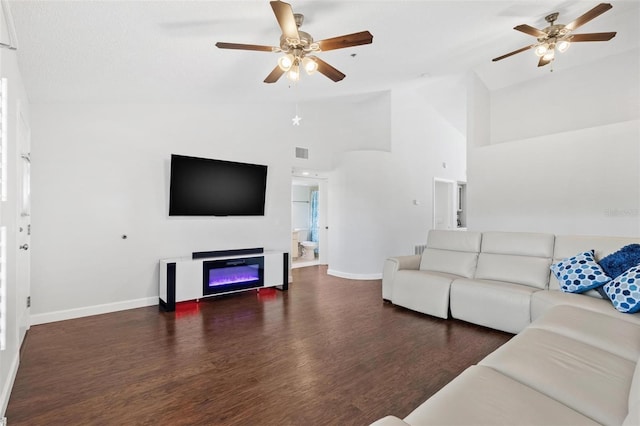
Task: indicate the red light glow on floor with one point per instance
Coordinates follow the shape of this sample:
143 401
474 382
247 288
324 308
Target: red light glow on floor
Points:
187 309
268 293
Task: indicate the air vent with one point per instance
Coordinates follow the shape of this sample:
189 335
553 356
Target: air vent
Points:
419 249
302 153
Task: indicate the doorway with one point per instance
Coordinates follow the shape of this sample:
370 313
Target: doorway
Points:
444 210
308 221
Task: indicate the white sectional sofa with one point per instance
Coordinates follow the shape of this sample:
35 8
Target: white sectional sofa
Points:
574 359
499 280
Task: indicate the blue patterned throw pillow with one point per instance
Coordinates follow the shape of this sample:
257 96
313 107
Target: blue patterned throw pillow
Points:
579 273
624 291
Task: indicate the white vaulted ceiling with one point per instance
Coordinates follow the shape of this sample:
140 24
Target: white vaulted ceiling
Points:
164 51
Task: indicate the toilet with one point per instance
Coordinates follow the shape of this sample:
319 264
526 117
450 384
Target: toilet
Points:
308 249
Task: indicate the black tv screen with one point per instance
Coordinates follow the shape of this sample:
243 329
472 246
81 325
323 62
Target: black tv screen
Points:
207 187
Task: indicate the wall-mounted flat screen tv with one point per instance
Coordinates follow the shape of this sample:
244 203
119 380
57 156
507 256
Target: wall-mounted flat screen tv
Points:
208 187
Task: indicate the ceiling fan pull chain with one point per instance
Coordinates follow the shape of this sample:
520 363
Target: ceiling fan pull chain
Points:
296 119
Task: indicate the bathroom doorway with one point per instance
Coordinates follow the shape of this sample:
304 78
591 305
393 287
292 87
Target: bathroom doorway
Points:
308 221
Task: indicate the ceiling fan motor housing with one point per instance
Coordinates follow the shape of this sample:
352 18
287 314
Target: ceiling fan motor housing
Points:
305 43
554 31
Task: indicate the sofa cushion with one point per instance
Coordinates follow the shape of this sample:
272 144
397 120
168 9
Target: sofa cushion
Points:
624 291
524 270
468 241
447 261
579 273
616 263
515 257
451 252
482 396
606 332
423 291
587 379
496 304
543 300
518 243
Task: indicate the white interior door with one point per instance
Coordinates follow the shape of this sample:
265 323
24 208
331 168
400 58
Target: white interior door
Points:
443 204
23 255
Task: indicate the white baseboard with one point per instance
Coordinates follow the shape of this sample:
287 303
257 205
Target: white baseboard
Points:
354 276
92 310
8 384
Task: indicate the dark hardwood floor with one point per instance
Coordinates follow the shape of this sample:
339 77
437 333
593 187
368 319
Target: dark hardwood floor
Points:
327 352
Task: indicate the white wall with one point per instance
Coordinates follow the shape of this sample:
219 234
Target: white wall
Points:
581 182
424 141
478 113
565 153
332 126
102 171
371 193
598 94
362 200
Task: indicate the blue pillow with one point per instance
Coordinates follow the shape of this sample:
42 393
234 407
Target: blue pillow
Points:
616 263
579 273
624 291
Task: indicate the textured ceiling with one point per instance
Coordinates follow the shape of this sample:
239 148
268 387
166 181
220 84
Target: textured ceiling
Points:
164 51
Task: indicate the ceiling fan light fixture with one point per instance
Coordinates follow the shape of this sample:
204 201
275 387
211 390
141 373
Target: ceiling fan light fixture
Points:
309 65
541 50
563 45
286 62
294 73
551 53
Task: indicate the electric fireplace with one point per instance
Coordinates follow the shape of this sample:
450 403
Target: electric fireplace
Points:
225 275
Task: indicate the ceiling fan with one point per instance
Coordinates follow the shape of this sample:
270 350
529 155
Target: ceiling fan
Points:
299 47
558 36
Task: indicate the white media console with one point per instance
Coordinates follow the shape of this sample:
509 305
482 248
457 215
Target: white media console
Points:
215 273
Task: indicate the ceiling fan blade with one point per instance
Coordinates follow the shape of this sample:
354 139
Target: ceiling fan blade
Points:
593 13
274 75
223 45
286 20
542 62
513 53
528 29
349 40
592 37
328 70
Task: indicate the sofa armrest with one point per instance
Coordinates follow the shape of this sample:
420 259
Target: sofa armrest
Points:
393 265
389 421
